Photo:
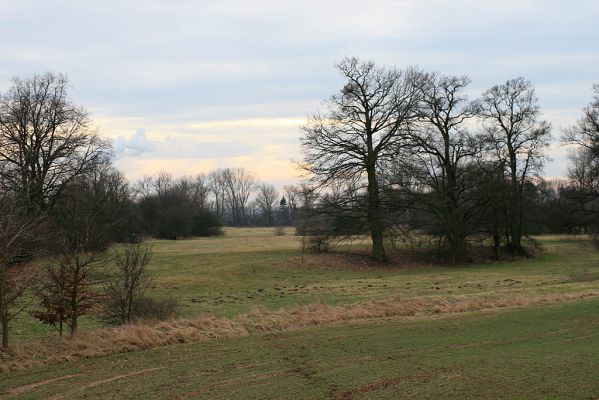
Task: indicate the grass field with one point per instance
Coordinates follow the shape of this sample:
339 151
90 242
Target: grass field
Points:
532 351
535 353
250 267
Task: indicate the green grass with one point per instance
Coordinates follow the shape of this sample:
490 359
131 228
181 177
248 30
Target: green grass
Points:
549 352
250 267
230 275
532 352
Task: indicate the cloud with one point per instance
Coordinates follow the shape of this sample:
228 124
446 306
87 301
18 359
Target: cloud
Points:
224 80
135 146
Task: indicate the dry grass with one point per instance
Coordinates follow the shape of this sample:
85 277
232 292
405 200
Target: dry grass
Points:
135 337
360 260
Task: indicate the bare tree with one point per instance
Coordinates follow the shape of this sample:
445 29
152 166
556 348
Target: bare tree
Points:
306 195
239 185
162 183
586 131
45 139
68 292
363 125
266 198
80 241
127 286
584 170
201 191
143 187
17 232
218 190
291 195
517 137
441 148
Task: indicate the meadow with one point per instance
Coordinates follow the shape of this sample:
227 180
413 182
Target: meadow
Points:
258 321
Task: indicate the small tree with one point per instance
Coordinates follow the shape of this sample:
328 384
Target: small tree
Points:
127 286
80 240
54 299
68 292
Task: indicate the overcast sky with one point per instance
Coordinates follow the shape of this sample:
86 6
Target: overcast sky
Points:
188 86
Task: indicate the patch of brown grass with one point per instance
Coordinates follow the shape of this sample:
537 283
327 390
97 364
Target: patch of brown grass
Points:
362 261
140 336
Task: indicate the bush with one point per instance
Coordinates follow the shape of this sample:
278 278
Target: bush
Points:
149 308
143 308
205 223
128 283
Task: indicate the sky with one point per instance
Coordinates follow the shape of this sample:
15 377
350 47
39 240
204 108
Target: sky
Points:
189 86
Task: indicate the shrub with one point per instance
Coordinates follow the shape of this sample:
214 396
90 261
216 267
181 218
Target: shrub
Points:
149 308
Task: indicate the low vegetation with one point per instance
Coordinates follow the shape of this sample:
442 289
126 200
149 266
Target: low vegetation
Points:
250 282
513 354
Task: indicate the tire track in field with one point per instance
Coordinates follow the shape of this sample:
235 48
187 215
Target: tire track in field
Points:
230 382
70 393
31 386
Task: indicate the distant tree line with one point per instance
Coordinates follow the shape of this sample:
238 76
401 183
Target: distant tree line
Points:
171 207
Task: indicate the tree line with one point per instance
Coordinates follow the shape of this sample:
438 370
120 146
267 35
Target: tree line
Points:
399 151
197 205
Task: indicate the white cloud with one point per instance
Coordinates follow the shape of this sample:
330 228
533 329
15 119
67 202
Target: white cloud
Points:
135 146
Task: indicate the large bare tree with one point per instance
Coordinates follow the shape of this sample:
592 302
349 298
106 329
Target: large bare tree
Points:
45 139
361 127
584 170
441 147
517 137
586 131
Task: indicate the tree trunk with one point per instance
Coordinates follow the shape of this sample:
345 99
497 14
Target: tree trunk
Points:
516 242
129 307
378 247
517 200
4 331
3 309
457 246
374 216
73 325
515 226
74 305
455 224
496 244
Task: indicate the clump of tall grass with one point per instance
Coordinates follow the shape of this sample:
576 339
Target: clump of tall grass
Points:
140 335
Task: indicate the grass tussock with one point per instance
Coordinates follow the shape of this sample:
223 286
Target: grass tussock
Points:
142 336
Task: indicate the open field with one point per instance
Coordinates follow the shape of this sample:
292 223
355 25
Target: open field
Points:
250 267
520 329
534 353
